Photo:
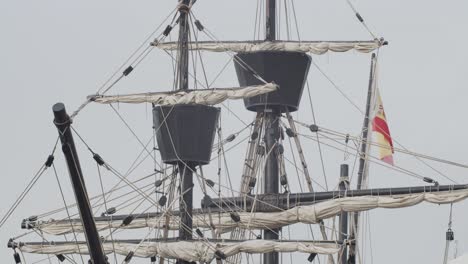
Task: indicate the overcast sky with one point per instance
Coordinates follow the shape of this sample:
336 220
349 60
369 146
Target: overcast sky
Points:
55 51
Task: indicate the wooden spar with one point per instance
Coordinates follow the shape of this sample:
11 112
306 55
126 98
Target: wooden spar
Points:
362 173
363 166
271 118
62 121
183 53
185 170
343 227
278 202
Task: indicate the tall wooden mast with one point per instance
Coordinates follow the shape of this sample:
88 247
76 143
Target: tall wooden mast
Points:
289 70
270 33
183 52
185 169
185 132
272 115
62 121
363 171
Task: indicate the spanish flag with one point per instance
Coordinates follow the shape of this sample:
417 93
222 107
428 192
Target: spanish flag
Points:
381 131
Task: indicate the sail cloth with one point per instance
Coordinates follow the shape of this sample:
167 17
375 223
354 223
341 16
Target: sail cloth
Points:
314 47
205 96
310 214
201 251
381 131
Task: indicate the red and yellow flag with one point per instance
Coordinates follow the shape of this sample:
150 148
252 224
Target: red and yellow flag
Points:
382 133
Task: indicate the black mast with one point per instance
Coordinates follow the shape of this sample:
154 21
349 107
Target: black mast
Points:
271 173
185 132
288 70
185 169
186 200
272 116
183 53
362 171
365 127
343 230
63 121
284 201
270 33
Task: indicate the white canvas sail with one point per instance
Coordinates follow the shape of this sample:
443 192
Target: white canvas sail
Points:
202 251
206 96
310 214
313 47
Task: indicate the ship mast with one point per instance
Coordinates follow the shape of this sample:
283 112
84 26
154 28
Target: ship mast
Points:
183 52
363 167
272 116
185 170
362 171
63 123
185 132
288 70
270 33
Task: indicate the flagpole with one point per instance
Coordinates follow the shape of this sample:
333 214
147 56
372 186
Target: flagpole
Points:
363 171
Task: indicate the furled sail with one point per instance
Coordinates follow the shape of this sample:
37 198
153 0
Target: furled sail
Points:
205 96
223 222
314 47
202 251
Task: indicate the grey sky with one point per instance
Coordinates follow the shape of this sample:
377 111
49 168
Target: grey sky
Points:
63 50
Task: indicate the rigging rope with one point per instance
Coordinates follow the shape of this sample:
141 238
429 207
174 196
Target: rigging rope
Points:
28 188
238 60
318 140
133 132
219 73
359 109
449 236
66 208
322 224
341 135
106 208
377 160
136 61
128 172
361 19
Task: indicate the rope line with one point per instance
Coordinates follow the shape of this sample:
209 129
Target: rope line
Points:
28 188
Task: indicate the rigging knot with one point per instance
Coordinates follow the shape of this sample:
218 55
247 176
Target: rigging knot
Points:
314 128
199 25
17 257
382 42
49 161
93 97
184 8
449 235
430 180
166 32
155 43
67 122
12 244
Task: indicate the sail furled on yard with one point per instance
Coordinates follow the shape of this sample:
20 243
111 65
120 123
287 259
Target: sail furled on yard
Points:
313 47
202 96
308 214
202 251
382 131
